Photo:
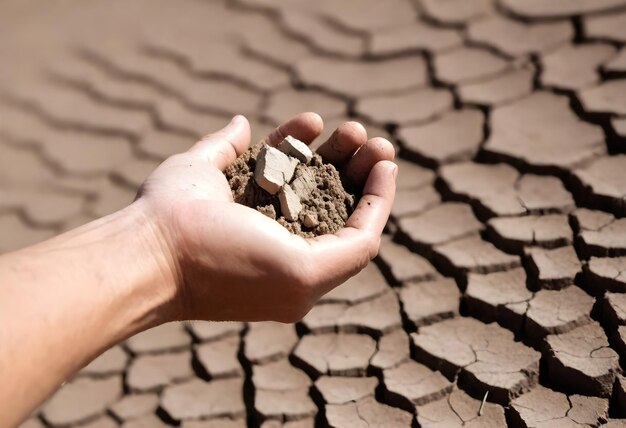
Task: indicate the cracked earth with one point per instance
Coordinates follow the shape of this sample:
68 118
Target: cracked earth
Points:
502 272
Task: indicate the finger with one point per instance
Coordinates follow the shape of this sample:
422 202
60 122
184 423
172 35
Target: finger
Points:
345 253
221 148
306 127
343 143
374 206
359 166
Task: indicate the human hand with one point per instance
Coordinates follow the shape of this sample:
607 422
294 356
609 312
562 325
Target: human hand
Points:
234 263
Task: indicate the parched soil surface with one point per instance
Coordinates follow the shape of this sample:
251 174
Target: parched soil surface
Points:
502 272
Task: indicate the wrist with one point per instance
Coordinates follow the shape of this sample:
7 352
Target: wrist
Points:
152 267
125 262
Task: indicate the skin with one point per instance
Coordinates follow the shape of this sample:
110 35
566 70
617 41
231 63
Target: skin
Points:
182 251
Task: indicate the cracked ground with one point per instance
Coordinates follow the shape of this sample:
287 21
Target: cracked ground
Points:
502 271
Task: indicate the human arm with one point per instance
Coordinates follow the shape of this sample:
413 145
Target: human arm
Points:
182 250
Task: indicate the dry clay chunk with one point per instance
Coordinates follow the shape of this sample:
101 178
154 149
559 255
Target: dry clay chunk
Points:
197 399
542 131
414 36
575 67
149 420
455 135
619 123
500 190
610 26
604 183
513 233
412 176
341 389
468 64
615 308
295 148
402 264
499 296
487 356
82 399
284 404
428 302
282 103
341 354
135 405
516 39
553 269
605 98
607 273
266 341
458 409
441 224
559 8
281 391
273 169
582 361
316 31
543 407
273 423
456 11
414 106
501 89
290 205
219 357
393 349
304 184
600 234
279 375
557 311
473 254
366 412
378 315
355 79
412 383
371 16
149 372
414 201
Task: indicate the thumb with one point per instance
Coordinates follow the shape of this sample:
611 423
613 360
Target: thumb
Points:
222 147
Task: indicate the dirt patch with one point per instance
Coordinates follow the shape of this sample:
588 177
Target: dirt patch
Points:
316 186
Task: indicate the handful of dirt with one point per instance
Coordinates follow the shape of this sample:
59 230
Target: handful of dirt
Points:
292 185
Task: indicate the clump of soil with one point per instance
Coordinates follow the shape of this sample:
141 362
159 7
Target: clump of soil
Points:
325 207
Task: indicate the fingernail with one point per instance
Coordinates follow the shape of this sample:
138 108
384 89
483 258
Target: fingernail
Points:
235 120
394 170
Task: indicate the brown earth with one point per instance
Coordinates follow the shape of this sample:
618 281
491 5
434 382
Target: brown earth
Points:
327 208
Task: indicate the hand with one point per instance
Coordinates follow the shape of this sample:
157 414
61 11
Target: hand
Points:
234 263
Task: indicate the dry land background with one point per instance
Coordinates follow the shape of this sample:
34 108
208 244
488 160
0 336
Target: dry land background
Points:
504 265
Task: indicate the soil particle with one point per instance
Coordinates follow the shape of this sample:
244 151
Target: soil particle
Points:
326 205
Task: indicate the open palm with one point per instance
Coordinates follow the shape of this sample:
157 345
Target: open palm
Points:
234 263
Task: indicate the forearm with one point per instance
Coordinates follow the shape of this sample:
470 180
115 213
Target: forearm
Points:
64 301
